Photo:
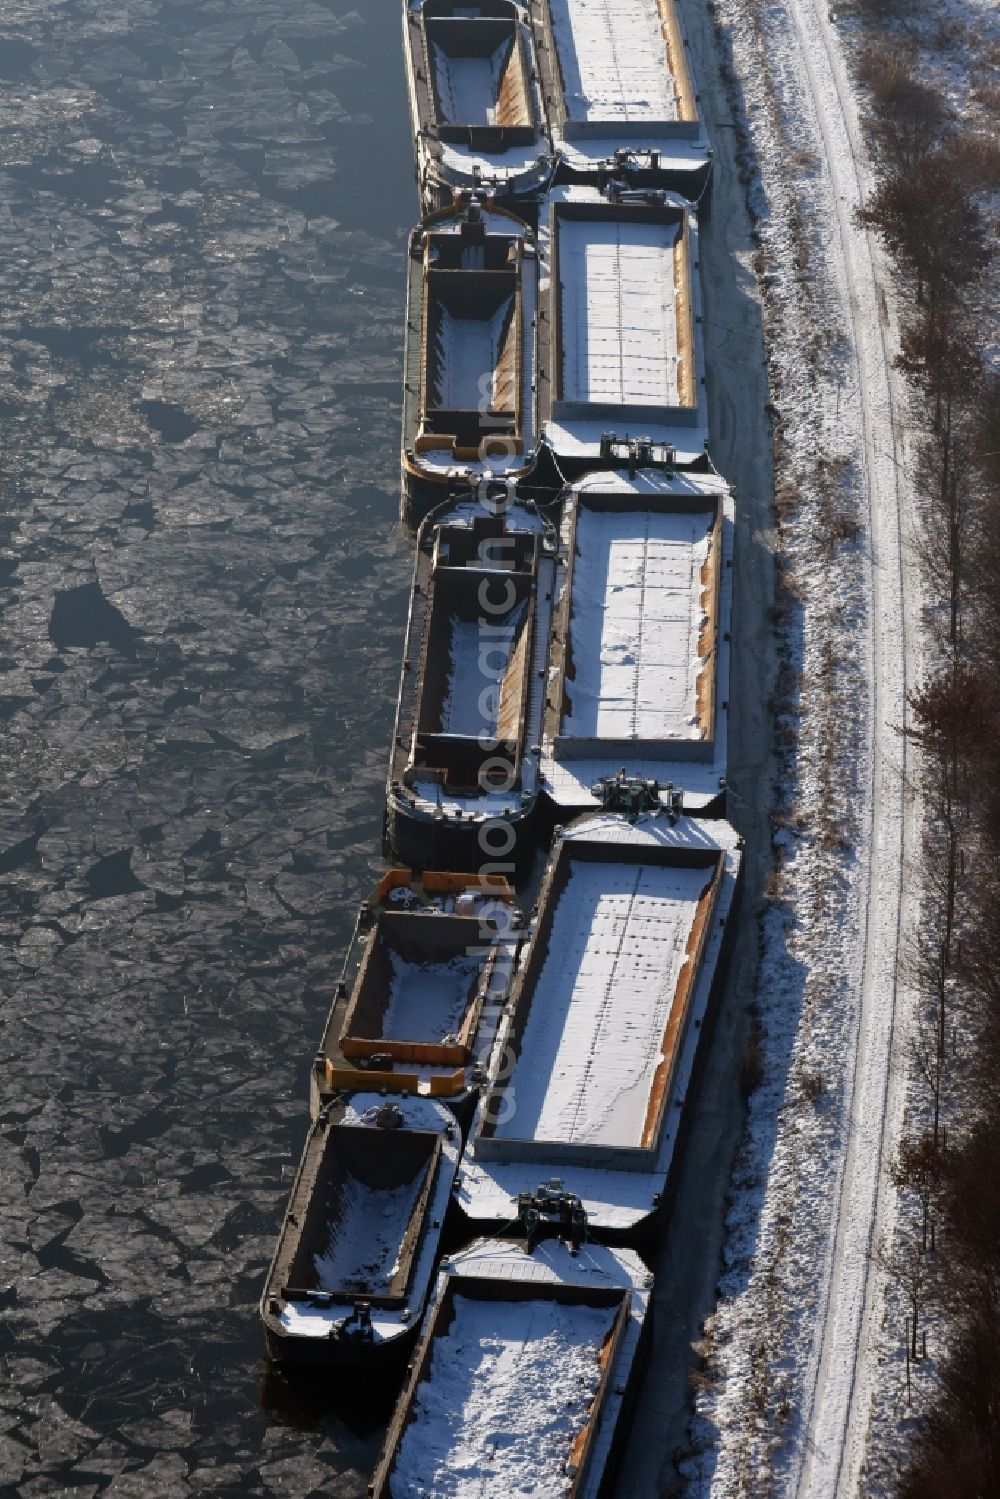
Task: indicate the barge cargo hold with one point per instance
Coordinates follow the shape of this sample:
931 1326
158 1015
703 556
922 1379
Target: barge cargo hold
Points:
522 1380
423 986
469 391
463 776
619 336
476 103
619 94
594 1060
358 1247
639 656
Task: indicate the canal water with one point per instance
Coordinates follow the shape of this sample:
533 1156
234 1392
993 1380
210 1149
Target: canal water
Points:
203 209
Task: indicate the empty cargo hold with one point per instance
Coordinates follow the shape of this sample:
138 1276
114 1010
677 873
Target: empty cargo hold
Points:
421 989
478 71
472 689
415 998
370 1186
609 1003
475 701
470 711
377 1222
475 99
469 384
428 998
359 1240
472 353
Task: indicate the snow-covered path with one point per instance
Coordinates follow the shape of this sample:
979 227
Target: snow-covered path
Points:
790 1351
837 1391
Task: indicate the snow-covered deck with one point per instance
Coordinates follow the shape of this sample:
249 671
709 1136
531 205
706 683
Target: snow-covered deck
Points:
639 660
576 440
619 1184
640 614
608 1006
618 312
614 61
518 1384
621 336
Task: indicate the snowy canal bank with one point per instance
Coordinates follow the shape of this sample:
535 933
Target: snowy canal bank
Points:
790 1353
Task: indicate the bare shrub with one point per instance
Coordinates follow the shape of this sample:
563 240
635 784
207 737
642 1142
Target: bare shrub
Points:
881 11
752 1067
910 118
786 497
813 1086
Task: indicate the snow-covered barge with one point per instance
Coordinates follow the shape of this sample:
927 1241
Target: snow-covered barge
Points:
424 983
619 336
639 655
593 1062
469 396
359 1244
619 94
463 776
521 1380
475 100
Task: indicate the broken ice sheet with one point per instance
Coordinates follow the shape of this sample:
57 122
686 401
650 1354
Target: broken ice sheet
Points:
59 1439
176 338
164 1474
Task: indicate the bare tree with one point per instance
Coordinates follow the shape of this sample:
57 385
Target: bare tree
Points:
911 1271
947 722
930 222
929 1059
919 1167
910 118
939 357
